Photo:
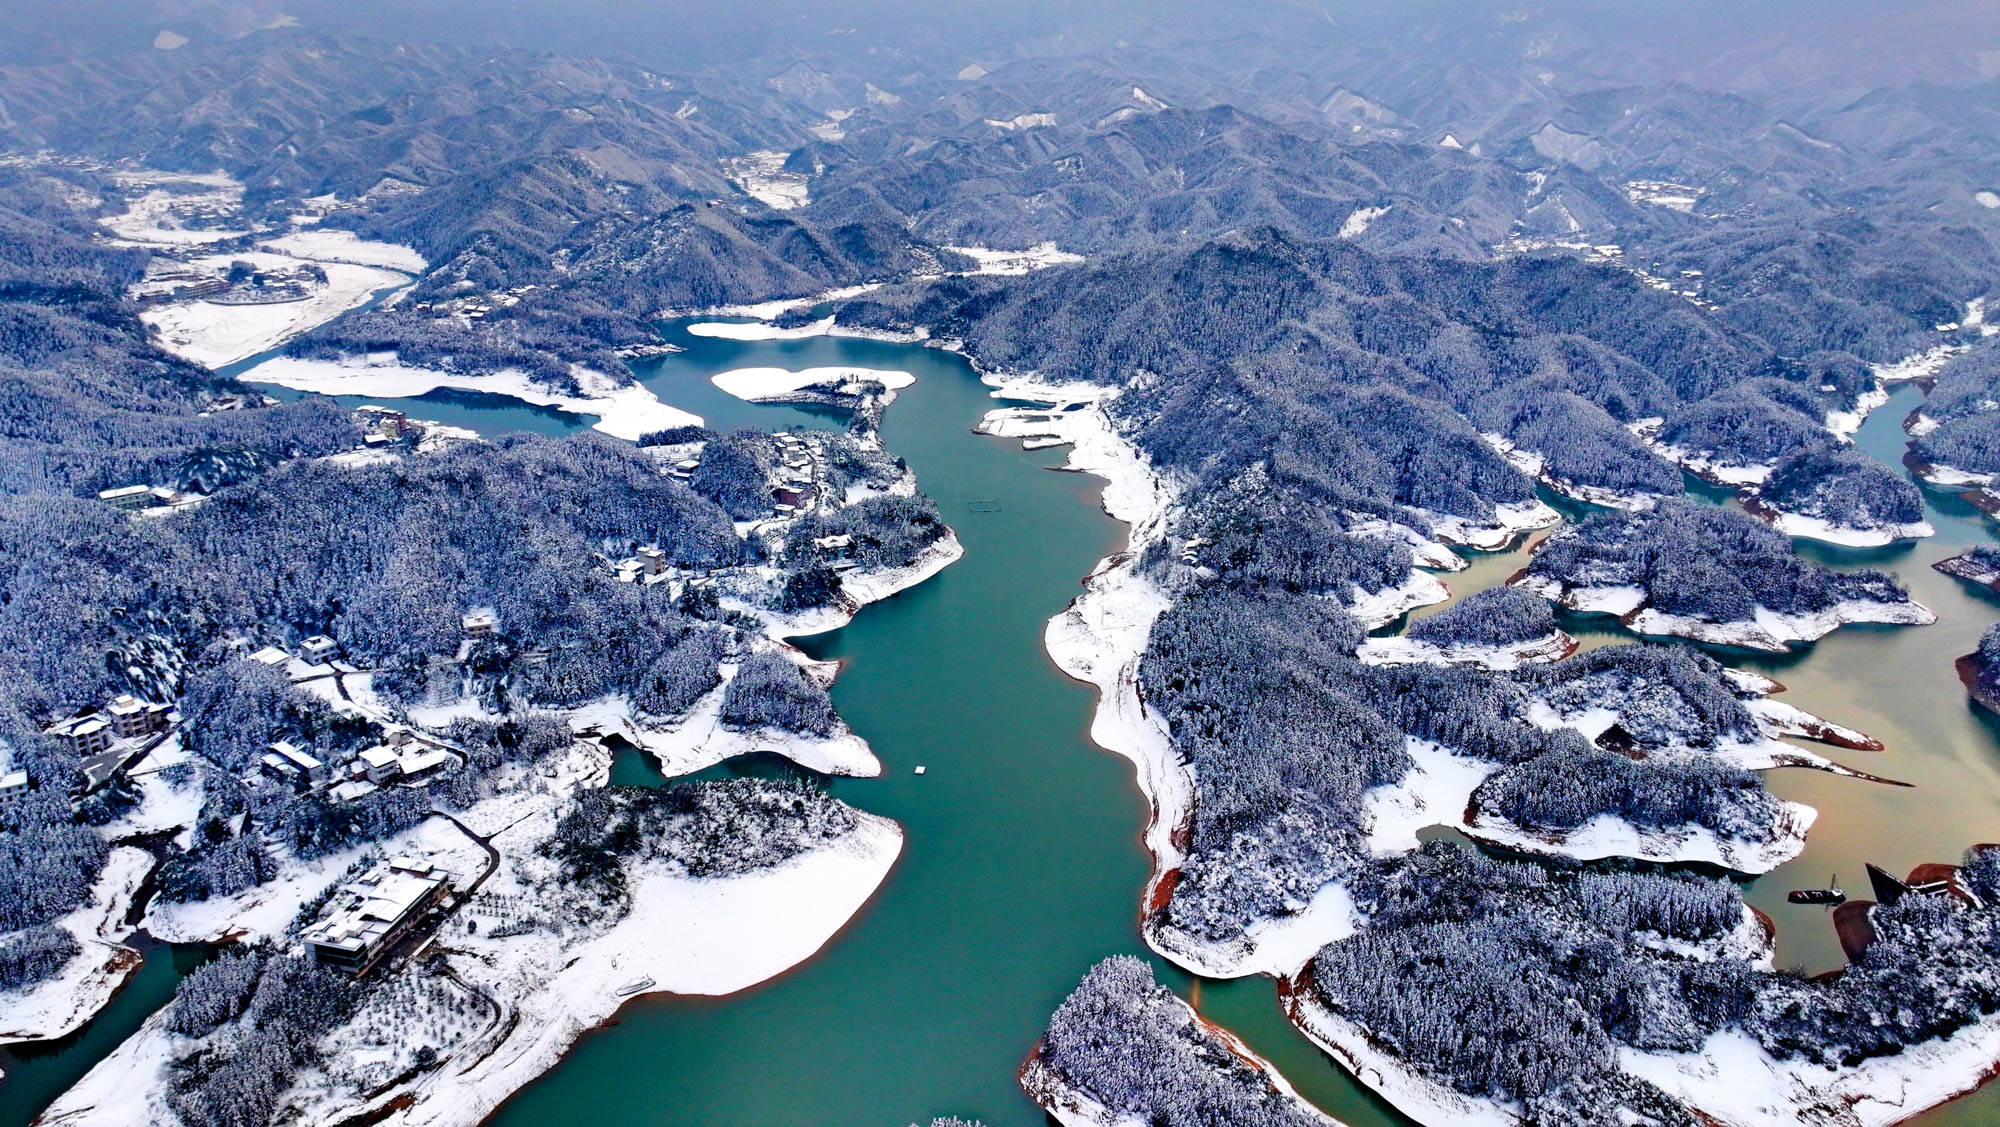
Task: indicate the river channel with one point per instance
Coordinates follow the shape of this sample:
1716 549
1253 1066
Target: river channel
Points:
1023 862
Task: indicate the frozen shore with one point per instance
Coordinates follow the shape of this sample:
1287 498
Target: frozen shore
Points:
1770 631
60 1005
1734 1081
1827 532
700 738
623 410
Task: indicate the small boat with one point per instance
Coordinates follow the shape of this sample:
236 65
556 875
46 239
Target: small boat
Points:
634 986
1834 894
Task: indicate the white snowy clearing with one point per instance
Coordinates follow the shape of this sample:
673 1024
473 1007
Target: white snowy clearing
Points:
214 335
345 246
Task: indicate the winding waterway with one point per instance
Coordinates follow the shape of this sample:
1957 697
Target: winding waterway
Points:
1023 862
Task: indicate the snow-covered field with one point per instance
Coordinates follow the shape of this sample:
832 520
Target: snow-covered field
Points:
345 246
214 335
1037 257
762 177
159 214
624 411
1400 650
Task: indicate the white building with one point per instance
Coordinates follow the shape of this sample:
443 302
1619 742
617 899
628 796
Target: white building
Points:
13 788
368 916
318 648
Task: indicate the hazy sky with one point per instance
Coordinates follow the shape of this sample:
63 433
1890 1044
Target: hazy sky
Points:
1717 42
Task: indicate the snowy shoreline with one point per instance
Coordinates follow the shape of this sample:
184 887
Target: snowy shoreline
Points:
625 411
1770 631
63 1003
682 935
1826 532
1073 1107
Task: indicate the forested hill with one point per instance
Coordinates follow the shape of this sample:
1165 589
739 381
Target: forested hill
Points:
87 401
1288 336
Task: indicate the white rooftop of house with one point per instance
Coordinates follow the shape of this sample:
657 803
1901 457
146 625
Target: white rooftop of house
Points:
123 491
318 642
125 706
13 780
481 616
77 726
351 789
378 756
417 763
840 540
288 751
650 553
270 655
689 464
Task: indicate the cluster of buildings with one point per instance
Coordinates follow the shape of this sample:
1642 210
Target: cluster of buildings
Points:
107 739
382 427
369 917
647 565
403 757
797 488
176 282
148 500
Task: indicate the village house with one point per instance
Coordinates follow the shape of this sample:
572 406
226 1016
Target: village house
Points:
318 648
481 623
287 764
128 497
377 764
132 718
82 735
13 788
367 918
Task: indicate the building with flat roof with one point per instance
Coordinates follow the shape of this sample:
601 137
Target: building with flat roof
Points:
318 648
131 717
13 788
286 763
127 497
83 735
367 918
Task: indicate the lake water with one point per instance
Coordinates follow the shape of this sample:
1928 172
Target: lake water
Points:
1023 863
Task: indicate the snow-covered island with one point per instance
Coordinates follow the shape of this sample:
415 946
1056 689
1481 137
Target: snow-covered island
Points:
1702 572
1122 1049
1840 497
